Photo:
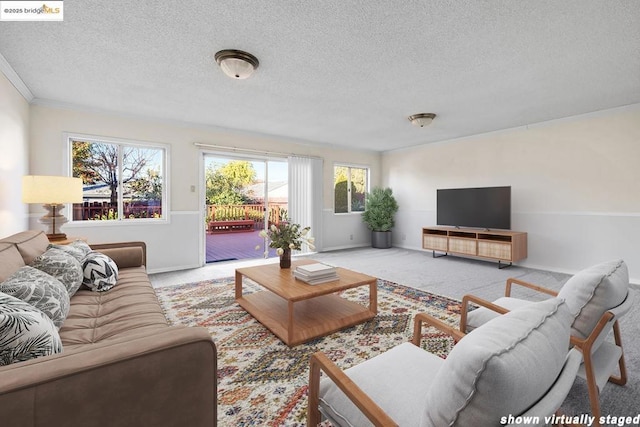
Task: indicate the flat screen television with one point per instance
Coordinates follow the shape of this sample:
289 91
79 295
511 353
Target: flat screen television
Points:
485 207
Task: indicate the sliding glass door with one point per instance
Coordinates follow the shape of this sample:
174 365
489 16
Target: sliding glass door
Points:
243 196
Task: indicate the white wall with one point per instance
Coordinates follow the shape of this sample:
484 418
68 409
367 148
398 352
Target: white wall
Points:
177 244
14 136
575 186
344 231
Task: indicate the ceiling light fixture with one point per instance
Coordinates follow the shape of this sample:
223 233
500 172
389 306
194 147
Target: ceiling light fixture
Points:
422 119
236 63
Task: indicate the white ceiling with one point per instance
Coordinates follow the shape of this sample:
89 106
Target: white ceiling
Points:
338 72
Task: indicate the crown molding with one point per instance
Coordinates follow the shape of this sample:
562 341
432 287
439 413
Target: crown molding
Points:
15 79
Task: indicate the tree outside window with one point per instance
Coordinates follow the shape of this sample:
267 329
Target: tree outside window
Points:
227 182
120 181
350 186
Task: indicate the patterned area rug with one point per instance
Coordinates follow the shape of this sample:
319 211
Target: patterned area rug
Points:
263 382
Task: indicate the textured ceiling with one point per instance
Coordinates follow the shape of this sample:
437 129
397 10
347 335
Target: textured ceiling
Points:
338 72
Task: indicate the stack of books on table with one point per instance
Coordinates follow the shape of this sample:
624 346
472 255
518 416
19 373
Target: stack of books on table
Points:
316 273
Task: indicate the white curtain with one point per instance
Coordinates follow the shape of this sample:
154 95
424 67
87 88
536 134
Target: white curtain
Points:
305 195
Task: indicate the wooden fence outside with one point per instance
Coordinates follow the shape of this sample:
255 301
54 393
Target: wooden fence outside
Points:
107 211
253 212
101 211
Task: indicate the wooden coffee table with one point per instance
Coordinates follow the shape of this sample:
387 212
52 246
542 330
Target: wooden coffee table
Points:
297 312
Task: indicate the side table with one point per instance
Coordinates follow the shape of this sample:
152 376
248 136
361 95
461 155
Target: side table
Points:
67 240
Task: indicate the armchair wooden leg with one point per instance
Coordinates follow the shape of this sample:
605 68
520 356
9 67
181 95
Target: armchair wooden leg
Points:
594 394
313 413
622 379
586 348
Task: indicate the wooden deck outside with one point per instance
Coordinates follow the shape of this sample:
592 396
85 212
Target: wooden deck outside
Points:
234 246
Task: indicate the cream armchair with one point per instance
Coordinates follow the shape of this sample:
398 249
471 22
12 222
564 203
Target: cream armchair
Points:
517 364
597 297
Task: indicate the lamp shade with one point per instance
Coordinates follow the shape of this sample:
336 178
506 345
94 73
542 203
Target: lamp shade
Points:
51 189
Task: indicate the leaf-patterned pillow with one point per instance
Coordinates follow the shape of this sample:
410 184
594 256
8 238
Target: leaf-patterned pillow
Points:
25 332
78 249
61 265
41 290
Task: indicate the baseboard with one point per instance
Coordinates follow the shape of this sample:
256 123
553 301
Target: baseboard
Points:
338 248
174 268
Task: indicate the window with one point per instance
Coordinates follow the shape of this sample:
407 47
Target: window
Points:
350 184
122 180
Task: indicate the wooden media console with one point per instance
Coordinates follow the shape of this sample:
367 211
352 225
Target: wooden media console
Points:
504 246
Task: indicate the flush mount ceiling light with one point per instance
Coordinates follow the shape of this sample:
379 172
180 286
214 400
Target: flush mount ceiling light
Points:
236 63
422 119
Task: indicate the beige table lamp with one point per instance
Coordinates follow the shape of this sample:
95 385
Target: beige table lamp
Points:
53 192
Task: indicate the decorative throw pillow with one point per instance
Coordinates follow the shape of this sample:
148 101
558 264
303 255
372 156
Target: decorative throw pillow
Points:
100 272
78 249
61 265
25 332
41 290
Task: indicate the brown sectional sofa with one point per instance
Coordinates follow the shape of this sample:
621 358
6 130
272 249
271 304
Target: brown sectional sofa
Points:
121 365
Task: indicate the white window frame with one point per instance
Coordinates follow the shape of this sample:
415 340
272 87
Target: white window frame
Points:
68 152
349 166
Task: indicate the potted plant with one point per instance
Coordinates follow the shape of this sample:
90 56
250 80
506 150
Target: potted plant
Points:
380 207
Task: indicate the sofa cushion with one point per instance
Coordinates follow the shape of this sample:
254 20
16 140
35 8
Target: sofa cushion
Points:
100 272
30 244
61 265
41 290
129 308
25 332
78 249
593 291
10 260
483 376
397 380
